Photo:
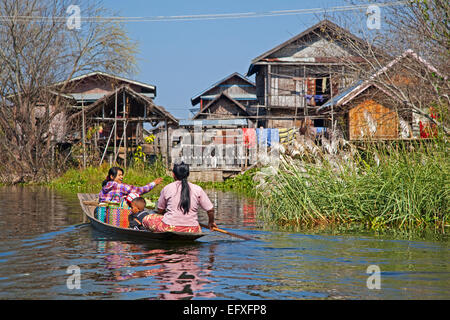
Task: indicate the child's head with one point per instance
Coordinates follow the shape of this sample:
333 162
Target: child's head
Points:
138 204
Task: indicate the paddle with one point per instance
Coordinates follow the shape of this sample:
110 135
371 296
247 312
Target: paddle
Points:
226 232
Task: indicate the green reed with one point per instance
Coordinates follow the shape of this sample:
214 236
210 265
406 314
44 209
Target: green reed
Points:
389 185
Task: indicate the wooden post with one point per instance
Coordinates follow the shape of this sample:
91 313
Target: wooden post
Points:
269 88
296 102
167 142
96 136
107 144
83 133
304 90
115 125
332 107
124 129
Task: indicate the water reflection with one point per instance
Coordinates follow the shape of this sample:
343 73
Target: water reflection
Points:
232 209
29 211
41 236
175 271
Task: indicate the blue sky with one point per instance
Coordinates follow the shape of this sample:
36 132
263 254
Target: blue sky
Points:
182 58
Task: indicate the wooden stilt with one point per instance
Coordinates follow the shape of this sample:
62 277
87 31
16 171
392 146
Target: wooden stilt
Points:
115 126
124 129
167 143
83 133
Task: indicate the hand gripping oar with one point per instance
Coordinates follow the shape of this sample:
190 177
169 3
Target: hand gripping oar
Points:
226 232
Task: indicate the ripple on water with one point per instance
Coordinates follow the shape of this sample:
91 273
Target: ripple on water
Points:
276 265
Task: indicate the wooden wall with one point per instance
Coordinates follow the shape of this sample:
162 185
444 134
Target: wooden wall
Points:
234 85
371 119
289 83
221 109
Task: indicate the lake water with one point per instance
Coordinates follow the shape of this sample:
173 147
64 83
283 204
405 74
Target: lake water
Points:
42 234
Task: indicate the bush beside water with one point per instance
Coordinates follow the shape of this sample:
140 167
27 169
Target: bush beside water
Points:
381 186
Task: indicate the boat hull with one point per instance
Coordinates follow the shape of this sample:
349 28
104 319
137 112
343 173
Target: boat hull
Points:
88 210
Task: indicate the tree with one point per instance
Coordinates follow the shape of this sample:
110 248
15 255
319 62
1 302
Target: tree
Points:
38 49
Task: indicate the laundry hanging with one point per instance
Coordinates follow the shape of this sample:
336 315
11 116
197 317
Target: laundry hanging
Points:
286 135
274 137
249 136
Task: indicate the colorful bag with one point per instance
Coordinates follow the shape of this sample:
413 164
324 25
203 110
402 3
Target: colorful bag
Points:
100 214
117 215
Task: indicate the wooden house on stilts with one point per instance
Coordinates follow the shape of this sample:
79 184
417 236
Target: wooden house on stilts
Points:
302 73
111 115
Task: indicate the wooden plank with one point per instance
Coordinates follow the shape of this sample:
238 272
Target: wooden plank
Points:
386 120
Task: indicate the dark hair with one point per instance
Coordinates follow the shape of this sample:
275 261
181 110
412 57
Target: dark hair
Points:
138 199
181 172
114 171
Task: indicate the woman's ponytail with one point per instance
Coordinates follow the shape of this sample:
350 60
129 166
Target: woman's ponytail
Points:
181 172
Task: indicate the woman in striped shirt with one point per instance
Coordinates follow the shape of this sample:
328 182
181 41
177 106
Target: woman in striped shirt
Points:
113 186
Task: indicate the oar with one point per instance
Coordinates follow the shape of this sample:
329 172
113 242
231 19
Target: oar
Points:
226 232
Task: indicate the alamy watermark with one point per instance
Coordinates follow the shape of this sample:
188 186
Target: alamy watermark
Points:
74 19
204 148
374 280
74 280
373 13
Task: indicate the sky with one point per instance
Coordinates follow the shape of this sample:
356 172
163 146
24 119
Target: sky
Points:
183 58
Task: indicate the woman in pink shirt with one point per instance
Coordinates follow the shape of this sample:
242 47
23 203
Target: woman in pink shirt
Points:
179 202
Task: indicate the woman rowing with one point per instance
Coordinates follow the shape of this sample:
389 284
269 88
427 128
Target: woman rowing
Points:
179 202
113 186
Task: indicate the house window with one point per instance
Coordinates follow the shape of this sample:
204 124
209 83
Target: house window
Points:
317 90
319 123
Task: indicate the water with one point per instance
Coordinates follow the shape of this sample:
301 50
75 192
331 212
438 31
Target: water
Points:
42 234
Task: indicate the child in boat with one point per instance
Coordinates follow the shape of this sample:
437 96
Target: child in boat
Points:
138 211
179 202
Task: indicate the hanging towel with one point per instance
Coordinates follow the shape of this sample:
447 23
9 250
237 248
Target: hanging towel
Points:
324 84
318 98
261 136
249 135
274 137
286 135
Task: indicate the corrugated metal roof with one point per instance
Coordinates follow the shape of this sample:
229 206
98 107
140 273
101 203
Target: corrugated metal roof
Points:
95 96
334 28
100 73
211 122
196 98
153 108
337 98
248 96
88 96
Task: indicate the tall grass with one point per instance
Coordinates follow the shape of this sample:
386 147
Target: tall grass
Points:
380 186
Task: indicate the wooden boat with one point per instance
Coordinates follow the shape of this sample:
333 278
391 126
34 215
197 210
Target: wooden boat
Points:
88 210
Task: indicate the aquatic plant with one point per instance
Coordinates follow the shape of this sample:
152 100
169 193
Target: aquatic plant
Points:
378 185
